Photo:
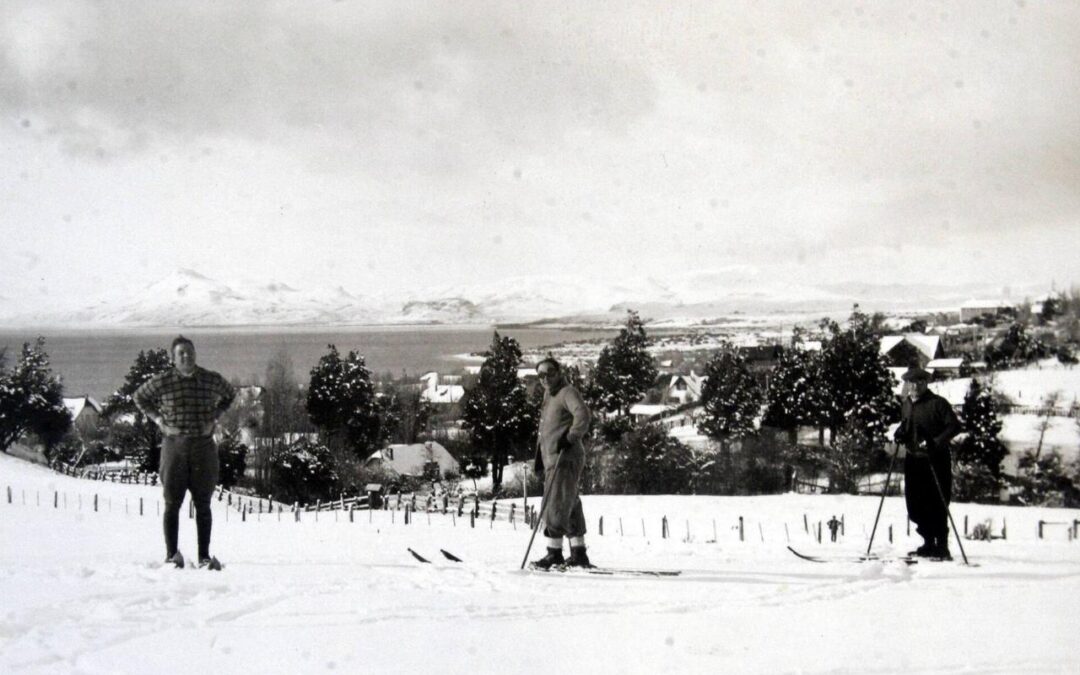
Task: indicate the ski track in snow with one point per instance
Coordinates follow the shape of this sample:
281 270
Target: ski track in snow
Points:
86 592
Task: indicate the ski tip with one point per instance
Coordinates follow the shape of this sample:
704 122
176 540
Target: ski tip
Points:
449 556
418 556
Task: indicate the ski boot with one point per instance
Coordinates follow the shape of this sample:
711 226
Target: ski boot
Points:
578 557
554 558
927 550
210 563
176 559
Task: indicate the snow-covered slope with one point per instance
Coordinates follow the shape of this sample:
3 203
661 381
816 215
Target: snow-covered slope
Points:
83 591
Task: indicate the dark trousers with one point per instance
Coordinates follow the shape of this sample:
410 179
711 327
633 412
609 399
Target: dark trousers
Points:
924 505
188 464
563 516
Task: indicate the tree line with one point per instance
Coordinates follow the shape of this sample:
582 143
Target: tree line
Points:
312 439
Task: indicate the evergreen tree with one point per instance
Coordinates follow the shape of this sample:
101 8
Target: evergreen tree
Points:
232 456
32 399
730 397
496 409
856 396
303 471
649 461
342 402
791 399
977 459
625 370
139 439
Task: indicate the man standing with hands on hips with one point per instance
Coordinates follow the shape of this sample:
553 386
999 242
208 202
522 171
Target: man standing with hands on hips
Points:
560 458
185 403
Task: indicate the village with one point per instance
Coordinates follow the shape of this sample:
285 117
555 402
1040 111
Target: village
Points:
432 453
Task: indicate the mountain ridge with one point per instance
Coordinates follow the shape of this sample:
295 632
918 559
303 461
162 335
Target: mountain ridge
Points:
186 297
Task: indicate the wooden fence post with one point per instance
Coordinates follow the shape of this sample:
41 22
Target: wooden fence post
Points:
601 526
95 502
351 507
56 499
663 528
9 494
742 534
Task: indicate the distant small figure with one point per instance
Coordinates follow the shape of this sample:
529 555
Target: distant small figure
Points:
834 527
981 531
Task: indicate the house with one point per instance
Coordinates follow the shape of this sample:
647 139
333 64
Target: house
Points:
85 412
681 389
911 349
443 393
415 460
973 309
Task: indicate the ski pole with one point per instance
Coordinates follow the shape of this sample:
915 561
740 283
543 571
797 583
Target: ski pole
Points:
540 517
884 491
941 493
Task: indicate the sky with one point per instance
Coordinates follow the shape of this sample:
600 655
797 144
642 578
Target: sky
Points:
394 146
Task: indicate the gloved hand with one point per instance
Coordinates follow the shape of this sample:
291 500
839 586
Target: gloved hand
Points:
921 450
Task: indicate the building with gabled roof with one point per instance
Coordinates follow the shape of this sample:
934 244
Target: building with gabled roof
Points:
905 350
416 459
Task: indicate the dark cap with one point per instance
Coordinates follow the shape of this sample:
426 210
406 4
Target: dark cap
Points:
916 374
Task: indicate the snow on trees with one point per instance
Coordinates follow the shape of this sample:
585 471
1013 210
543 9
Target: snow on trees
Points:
977 458
792 398
731 398
32 399
857 399
342 402
624 370
496 410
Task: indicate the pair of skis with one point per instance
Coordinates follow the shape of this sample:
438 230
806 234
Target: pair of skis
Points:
564 569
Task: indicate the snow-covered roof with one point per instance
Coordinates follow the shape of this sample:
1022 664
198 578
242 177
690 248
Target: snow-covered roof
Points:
890 341
649 409
928 345
409 460
944 363
75 406
434 392
449 393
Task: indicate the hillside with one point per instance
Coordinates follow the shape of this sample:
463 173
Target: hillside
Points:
85 592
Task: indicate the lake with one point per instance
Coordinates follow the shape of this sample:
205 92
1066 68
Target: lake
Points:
94 362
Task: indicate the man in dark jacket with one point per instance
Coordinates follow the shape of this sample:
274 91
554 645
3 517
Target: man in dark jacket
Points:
560 457
927 426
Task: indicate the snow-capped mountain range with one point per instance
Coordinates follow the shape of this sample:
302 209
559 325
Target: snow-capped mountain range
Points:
188 298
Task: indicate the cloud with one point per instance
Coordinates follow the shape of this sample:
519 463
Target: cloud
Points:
426 87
